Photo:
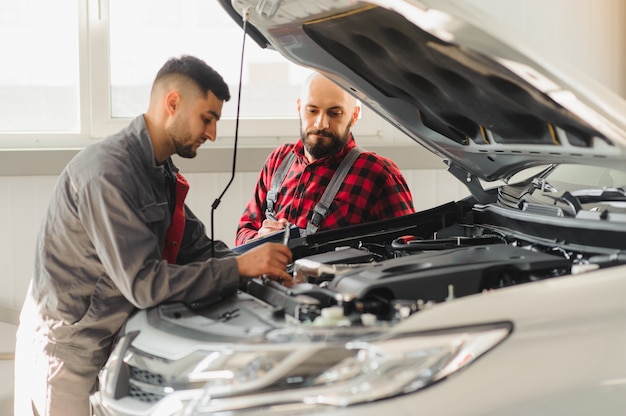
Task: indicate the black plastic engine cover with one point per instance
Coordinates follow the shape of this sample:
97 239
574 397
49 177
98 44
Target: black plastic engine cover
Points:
430 275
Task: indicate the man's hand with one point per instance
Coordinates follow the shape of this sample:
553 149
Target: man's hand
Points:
271 226
269 260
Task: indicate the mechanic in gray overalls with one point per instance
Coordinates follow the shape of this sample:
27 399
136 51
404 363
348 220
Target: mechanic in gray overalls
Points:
117 236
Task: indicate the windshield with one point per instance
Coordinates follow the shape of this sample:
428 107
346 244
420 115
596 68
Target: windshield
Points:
573 177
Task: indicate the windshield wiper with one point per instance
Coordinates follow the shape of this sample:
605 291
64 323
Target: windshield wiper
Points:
543 185
575 200
599 195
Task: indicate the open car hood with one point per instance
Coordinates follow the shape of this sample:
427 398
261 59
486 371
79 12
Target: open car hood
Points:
450 78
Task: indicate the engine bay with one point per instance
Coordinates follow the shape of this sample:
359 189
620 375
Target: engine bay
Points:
421 273
386 271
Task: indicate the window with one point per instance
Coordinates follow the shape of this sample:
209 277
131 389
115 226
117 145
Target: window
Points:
76 70
145 33
39 81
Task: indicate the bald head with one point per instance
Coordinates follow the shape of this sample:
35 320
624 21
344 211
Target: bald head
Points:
327 113
319 84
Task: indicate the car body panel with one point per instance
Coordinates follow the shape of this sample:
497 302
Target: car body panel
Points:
577 366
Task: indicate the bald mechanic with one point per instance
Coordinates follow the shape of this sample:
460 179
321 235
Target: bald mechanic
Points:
118 237
373 188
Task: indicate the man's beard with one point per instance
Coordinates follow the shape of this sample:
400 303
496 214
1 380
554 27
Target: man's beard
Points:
318 149
183 143
185 150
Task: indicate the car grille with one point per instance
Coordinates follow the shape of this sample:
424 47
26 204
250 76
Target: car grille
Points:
146 386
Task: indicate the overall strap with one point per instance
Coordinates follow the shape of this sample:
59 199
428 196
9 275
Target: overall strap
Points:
277 181
321 210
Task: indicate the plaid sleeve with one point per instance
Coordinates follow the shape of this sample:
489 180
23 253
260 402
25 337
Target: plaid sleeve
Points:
396 198
389 194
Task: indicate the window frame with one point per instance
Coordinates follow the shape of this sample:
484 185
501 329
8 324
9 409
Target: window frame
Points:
13 141
95 117
254 132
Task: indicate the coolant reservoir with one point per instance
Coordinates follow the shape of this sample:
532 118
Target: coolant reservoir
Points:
332 316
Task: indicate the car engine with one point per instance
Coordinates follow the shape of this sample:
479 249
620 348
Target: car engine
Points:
389 270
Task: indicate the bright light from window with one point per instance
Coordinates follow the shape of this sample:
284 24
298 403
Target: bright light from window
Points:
39 66
145 33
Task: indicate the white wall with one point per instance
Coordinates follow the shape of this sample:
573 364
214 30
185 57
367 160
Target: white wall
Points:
588 34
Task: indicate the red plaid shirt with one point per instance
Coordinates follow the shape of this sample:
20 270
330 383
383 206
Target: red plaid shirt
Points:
374 189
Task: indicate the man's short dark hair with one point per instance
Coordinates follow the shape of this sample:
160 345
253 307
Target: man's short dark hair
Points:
198 71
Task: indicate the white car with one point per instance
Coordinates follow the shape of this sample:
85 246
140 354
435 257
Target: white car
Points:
506 303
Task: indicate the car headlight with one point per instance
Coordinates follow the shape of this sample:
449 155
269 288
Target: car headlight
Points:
298 369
